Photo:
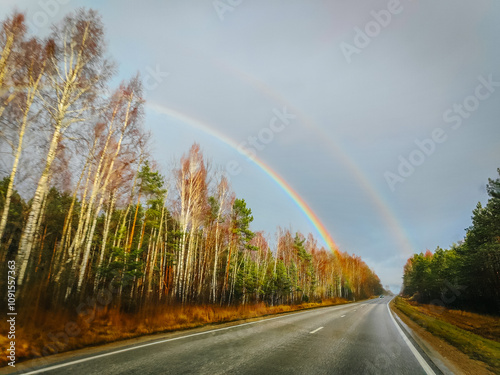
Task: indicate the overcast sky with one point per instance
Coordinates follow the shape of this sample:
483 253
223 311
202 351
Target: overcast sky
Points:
389 111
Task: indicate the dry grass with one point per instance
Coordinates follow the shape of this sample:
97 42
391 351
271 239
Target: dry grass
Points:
475 346
61 332
486 326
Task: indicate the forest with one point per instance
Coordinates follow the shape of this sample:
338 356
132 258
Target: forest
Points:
85 208
466 276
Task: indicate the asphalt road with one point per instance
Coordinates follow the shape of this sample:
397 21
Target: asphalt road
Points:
359 338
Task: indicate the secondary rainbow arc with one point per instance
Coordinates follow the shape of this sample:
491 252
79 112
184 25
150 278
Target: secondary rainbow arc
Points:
334 148
378 199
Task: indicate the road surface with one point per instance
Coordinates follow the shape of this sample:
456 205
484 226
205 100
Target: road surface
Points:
358 338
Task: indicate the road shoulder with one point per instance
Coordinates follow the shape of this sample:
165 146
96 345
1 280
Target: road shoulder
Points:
446 357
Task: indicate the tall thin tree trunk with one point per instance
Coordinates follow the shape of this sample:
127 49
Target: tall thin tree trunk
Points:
104 187
7 50
30 97
107 222
27 236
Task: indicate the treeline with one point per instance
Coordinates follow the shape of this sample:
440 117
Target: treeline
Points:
102 217
467 275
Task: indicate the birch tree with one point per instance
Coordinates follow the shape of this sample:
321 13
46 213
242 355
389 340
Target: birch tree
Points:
12 34
130 117
77 70
31 71
219 206
191 188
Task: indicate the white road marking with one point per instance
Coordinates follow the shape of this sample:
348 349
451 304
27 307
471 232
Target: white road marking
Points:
166 340
428 370
317 329
342 316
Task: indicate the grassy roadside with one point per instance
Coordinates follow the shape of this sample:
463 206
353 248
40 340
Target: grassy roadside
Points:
475 346
49 334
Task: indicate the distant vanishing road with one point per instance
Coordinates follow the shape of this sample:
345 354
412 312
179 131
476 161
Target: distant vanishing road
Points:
359 338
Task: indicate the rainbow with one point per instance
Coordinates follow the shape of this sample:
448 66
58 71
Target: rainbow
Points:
333 147
303 206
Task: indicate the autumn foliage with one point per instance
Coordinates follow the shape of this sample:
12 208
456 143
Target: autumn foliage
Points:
86 213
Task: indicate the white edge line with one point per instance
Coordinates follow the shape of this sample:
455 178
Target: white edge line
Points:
342 316
317 329
428 370
166 340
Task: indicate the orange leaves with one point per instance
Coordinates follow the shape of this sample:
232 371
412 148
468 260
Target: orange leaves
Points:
329 269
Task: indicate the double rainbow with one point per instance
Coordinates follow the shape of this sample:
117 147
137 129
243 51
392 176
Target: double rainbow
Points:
332 146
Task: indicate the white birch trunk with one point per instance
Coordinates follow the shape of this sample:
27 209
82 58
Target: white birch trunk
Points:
27 236
86 254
